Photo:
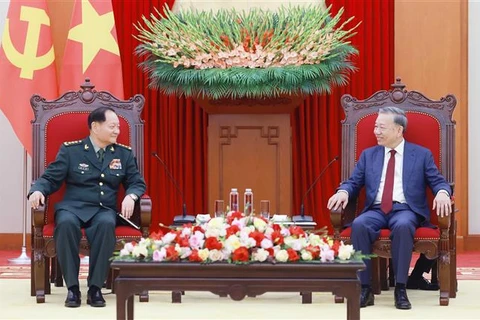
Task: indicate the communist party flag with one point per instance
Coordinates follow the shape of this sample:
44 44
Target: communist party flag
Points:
92 49
26 64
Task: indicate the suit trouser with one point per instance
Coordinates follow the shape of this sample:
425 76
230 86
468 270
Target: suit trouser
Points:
100 232
402 223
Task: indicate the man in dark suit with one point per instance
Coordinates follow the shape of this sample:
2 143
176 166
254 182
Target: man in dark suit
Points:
395 174
92 169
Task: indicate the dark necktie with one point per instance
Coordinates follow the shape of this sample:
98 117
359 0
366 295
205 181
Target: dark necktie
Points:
100 154
387 196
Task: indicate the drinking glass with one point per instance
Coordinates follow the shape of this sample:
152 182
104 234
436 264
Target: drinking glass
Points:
265 209
219 208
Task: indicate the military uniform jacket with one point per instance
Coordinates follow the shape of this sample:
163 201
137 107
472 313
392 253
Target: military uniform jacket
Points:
90 184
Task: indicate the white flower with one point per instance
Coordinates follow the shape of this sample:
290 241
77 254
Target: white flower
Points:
129 247
140 250
232 243
345 251
281 255
260 255
168 238
314 240
203 254
295 244
185 252
124 252
259 224
326 254
215 255
306 255
266 243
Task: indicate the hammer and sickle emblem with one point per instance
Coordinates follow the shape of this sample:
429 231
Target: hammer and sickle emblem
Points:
28 62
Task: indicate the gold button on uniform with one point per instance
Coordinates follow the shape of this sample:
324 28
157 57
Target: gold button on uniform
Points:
101 192
100 183
102 175
101 204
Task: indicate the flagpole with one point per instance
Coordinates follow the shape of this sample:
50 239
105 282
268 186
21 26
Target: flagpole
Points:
23 258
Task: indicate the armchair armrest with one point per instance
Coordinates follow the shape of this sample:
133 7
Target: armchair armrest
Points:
145 204
38 217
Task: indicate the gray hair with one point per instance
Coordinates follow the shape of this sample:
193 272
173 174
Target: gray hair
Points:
399 116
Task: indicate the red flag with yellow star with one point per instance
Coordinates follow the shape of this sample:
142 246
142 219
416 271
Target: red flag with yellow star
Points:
26 64
91 49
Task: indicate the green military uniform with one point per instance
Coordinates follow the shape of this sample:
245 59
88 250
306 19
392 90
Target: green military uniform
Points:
90 202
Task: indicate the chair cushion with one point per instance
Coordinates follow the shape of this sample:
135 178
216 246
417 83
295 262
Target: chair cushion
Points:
120 231
421 233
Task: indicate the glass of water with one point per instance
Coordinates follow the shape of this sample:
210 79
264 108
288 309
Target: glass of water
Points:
219 208
265 209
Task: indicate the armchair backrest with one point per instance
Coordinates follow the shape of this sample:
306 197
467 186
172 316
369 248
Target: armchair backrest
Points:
65 119
430 124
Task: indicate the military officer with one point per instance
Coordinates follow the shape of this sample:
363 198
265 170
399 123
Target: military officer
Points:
92 169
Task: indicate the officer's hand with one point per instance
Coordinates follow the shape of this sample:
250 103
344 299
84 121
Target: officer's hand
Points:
36 198
443 204
127 206
338 199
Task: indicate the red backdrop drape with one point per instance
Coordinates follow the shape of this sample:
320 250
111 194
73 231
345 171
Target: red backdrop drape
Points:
177 129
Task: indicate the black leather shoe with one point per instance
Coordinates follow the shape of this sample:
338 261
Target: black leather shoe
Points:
366 297
401 299
95 298
422 284
74 299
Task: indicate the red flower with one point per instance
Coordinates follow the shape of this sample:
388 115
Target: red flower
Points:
270 251
172 254
194 257
182 241
292 255
335 247
233 216
314 250
198 228
156 235
296 231
232 230
277 238
241 254
258 236
212 243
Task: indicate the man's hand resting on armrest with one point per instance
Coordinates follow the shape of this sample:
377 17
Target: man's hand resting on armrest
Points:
36 199
442 203
338 199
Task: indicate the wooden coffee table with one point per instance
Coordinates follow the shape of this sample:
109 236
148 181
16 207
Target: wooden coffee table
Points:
237 281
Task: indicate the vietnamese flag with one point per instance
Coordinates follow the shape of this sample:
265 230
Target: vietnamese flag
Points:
91 49
26 64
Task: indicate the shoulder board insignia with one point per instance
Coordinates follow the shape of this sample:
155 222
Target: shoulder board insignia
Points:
72 143
124 146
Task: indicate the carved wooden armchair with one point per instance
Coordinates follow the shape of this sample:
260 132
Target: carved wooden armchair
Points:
430 124
65 119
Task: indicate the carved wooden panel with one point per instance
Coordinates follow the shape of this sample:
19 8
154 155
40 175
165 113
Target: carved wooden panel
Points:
250 151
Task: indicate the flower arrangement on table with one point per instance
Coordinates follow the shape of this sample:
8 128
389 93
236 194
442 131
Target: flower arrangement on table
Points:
254 54
237 239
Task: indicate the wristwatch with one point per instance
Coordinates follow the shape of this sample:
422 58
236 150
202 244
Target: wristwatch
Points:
133 196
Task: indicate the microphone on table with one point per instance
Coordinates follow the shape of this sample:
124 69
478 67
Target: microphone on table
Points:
302 217
184 218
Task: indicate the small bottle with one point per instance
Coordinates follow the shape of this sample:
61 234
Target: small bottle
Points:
234 199
248 201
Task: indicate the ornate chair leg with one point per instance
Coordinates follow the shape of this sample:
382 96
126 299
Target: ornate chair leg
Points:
444 269
48 287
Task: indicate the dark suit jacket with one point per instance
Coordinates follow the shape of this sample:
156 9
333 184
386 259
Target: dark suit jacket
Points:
90 185
419 171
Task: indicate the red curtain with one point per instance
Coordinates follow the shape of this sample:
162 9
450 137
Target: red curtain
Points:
176 127
316 127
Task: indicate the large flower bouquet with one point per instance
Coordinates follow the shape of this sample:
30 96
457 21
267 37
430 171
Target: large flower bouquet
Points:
255 53
237 239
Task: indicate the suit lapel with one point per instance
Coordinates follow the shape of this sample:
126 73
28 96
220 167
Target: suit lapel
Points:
408 163
378 158
90 153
